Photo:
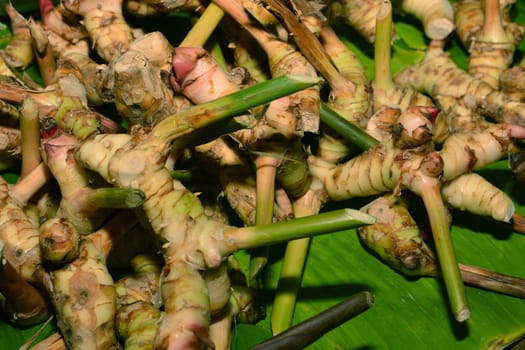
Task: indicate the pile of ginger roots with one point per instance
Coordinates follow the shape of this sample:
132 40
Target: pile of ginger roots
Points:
102 185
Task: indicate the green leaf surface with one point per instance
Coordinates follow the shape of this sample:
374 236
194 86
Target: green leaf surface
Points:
5 34
409 36
413 313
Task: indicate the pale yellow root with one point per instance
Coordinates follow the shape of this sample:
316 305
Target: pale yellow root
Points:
437 16
473 193
109 40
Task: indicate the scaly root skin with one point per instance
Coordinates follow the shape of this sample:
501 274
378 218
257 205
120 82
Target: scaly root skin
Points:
83 291
137 324
473 193
396 238
110 40
19 52
190 241
385 91
84 296
140 96
436 15
74 184
62 22
192 64
435 74
468 19
189 307
462 153
493 50
20 236
59 241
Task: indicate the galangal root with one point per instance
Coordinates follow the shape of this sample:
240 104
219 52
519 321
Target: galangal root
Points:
253 101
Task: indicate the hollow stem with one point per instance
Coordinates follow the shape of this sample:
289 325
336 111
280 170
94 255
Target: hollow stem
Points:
225 107
266 168
204 27
306 332
113 197
294 260
283 231
289 283
30 134
346 129
437 213
382 48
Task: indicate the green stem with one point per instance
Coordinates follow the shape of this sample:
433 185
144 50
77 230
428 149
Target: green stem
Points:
294 261
218 54
283 231
437 213
204 114
204 27
382 51
289 284
114 197
266 167
183 175
346 129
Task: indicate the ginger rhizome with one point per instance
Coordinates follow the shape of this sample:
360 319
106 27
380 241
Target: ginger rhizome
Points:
396 239
275 165
190 241
19 52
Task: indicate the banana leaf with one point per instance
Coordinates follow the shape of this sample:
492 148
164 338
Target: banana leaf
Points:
408 313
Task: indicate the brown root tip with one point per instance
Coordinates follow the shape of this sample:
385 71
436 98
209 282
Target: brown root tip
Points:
411 260
518 223
432 164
